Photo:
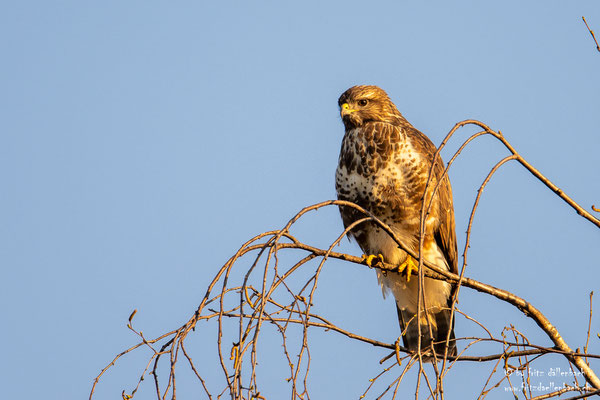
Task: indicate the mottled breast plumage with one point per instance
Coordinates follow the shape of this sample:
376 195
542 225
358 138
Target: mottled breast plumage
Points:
380 169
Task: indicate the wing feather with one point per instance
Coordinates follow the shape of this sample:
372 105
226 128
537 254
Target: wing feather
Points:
444 231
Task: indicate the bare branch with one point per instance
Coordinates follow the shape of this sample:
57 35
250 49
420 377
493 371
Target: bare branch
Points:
271 291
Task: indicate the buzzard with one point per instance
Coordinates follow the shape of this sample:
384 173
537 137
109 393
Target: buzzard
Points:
383 167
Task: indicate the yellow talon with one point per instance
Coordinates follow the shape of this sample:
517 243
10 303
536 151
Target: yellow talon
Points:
408 267
368 259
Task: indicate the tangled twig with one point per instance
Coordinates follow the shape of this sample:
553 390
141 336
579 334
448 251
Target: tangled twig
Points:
276 289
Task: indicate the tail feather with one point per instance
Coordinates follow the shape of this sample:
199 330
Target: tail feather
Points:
440 325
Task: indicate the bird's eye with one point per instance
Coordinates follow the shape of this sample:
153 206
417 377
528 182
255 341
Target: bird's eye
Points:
363 102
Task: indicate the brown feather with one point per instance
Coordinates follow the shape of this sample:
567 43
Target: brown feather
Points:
383 166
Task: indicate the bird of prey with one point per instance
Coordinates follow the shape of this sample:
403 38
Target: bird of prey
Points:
383 167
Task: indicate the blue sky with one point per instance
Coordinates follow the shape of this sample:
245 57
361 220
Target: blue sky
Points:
144 141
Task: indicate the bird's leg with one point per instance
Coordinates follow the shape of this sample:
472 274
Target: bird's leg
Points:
372 260
408 267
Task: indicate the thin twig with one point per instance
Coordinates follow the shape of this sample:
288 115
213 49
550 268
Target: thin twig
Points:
591 33
585 395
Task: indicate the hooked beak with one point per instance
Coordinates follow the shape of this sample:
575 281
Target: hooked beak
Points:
346 110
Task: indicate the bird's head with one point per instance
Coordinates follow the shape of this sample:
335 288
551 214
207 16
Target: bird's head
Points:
366 103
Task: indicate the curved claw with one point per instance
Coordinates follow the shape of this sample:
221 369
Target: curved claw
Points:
408 267
372 260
